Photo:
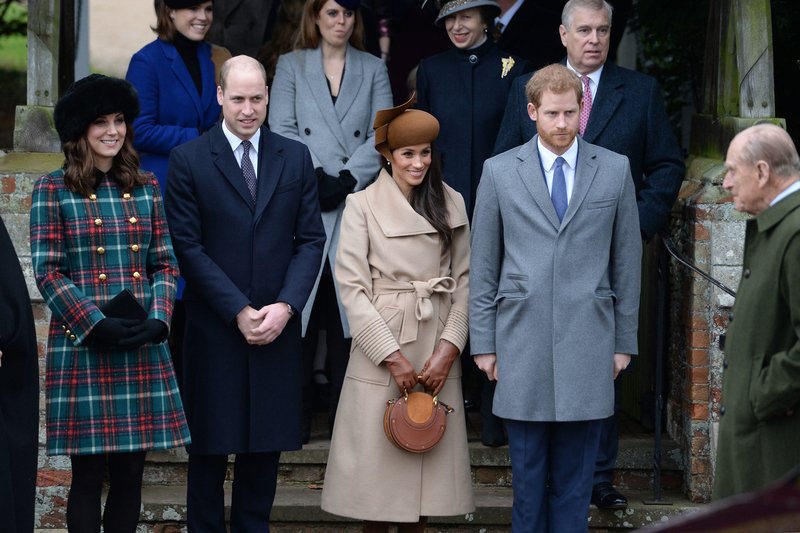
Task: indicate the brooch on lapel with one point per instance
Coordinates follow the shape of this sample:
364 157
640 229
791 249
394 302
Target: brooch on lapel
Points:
508 64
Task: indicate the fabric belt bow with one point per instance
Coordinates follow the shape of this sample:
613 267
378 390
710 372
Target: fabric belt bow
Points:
416 309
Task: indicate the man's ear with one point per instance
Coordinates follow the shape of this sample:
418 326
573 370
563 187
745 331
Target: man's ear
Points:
532 111
562 31
220 97
266 94
762 167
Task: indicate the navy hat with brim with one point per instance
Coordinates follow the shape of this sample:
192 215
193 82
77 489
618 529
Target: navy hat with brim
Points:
454 6
349 4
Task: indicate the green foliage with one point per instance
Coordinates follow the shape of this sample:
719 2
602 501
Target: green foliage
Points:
13 36
672 38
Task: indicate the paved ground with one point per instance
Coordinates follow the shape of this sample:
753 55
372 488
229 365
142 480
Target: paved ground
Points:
117 30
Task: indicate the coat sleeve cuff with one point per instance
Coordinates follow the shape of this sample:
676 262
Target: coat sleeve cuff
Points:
376 341
457 329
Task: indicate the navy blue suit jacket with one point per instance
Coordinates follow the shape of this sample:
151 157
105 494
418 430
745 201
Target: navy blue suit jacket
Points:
172 110
628 117
238 397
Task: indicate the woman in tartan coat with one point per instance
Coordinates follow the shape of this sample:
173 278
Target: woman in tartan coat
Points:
98 228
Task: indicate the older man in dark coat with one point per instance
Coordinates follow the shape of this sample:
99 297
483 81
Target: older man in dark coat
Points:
759 429
245 220
624 113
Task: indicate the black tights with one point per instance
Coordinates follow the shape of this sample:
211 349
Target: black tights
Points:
124 498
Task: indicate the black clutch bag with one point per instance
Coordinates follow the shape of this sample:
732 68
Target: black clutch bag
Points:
125 305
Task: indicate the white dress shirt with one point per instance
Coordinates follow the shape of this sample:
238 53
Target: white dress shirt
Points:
238 149
548 160
786 192
594 79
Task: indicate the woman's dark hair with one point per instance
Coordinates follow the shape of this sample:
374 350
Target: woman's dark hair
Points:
487 17
79 165
308 36
290 15
165 26
429 198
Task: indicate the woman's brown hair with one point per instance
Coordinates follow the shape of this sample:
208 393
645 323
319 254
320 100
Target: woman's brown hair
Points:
429 198
308 36
165 27
79 165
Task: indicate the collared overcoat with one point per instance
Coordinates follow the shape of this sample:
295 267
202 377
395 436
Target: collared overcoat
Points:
466 90
339 136
628 117
554 300
85 251
172 110
243 398
385 247
759 429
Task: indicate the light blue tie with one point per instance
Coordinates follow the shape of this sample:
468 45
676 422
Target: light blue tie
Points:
559 190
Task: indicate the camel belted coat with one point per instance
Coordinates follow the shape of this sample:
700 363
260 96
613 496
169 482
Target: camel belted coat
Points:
400 292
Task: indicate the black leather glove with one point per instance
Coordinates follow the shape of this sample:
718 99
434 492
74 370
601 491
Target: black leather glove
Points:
151 330
110 331
332 190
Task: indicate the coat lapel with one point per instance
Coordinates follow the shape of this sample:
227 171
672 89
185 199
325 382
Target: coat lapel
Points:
207 75
270 166
609 96
585 171
530 172
351 84
390 208
225 162
182 73
315 75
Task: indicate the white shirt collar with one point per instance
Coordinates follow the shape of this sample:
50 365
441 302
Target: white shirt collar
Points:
594 78
786 192
508 15
548 158
235 141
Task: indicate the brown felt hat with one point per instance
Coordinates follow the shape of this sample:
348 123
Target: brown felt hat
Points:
401 126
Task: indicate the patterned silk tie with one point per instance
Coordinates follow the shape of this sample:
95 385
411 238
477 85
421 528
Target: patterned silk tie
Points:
498 31
587 103
248 171
559 189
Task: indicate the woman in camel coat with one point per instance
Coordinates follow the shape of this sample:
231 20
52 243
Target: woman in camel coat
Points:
403 276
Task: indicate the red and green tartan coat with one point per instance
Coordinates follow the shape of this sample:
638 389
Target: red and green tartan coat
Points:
85 251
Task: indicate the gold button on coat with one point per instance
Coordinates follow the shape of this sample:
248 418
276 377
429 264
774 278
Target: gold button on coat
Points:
102 277
133 220
101 250
93 197
98 222
126 195
136 275
135 247
64 328
68 332
72 337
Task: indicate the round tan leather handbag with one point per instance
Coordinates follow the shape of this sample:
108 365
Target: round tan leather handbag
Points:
416 421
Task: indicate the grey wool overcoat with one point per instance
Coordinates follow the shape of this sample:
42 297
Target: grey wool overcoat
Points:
554 300
339 136
400 293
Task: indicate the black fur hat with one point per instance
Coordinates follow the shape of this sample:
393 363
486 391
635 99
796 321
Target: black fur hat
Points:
91 97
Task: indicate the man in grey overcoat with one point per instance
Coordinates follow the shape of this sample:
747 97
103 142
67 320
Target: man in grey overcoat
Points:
554 299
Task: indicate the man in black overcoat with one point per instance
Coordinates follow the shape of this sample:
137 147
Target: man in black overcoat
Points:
19 395
246 227
628 117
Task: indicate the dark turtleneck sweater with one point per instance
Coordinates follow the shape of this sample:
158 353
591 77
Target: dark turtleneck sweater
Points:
188 52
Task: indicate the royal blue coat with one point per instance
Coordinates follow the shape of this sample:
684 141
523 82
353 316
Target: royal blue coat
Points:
172 111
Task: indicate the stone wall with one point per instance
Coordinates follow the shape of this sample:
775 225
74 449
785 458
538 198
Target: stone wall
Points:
712 236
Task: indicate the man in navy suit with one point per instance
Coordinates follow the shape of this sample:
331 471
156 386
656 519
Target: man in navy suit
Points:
246 227
627 116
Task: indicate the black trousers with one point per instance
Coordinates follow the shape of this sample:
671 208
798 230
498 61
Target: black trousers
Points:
254 478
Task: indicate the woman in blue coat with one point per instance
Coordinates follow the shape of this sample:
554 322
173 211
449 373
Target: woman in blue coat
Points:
325 94
466 89
175 78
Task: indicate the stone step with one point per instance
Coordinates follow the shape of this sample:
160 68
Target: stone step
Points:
297 508
490 466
